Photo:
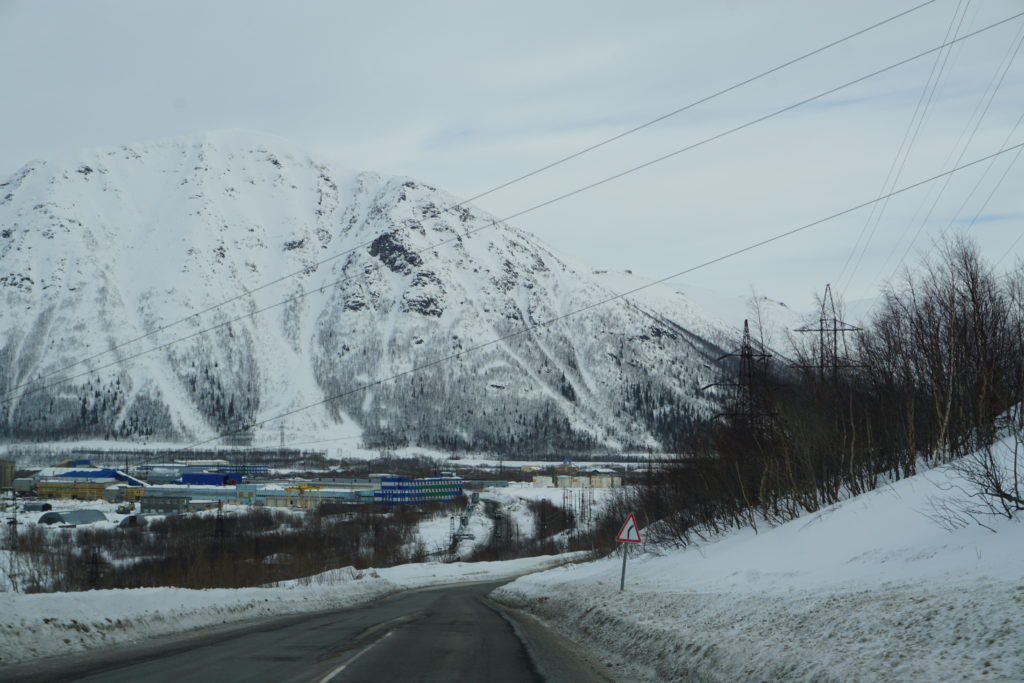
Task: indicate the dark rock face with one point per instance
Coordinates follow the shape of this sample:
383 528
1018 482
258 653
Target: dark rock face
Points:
395 255
424 305
424 295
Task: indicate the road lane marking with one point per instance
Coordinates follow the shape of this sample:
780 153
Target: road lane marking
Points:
330 676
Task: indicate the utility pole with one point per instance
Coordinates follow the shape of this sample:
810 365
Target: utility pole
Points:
94 568
12 537
451 537
218 529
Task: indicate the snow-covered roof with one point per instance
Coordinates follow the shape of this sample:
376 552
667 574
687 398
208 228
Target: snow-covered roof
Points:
78 480
72 517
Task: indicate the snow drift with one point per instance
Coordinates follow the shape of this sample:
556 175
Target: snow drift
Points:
874 588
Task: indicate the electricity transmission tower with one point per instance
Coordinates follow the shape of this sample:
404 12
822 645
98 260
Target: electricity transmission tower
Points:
831 333
749 406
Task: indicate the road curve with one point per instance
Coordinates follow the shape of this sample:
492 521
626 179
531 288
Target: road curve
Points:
450 633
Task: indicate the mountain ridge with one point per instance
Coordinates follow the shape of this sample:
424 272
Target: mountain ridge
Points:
113 244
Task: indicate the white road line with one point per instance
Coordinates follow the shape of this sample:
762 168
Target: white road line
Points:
330 676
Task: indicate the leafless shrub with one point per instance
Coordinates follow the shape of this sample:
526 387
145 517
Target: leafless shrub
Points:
257 547
926 379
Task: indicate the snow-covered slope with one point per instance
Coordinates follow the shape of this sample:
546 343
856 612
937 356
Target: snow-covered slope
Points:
887 586
103 247
712 315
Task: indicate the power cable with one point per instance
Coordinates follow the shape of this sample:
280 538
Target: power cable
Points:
1009 249
910 134
703 100
981 209
981 180
936 88
1013 245
583 309
995 188
543 204
558 162
978 184
998 84
322 441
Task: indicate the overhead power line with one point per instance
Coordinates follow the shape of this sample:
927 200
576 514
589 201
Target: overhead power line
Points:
1013 245
981 180
542 169
550 321
986 100
977 214
695 103
981 209
535 207
899 161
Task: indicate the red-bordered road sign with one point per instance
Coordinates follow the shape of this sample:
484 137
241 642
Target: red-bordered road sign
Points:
629 533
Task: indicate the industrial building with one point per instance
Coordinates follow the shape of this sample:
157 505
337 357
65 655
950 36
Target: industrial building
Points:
76 488
187 487
165 473
174 505
401 490
389 490
298 495
584 480
84 483
72 517
6 474
123 493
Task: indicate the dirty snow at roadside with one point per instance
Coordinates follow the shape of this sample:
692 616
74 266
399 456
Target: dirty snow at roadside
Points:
47 624
869 589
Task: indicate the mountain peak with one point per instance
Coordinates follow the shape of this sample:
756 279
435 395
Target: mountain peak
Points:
374 277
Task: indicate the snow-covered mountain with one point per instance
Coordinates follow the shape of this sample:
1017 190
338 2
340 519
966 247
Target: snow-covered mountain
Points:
104 247
712 315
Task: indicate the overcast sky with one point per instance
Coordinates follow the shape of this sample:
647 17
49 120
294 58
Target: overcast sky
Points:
467 95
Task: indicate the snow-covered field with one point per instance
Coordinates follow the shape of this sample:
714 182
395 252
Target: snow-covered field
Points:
869 589
42 625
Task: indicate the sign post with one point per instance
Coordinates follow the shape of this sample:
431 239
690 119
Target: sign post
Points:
629 533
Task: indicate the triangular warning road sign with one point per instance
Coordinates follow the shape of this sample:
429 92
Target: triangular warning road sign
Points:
629 533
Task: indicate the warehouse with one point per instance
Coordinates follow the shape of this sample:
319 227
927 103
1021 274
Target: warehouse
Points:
175 505
123 493
6 474
76 488
297 495
402 490
89 483
72 517
165 473
584 480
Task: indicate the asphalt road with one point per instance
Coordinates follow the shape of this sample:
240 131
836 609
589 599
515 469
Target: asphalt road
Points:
451 633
